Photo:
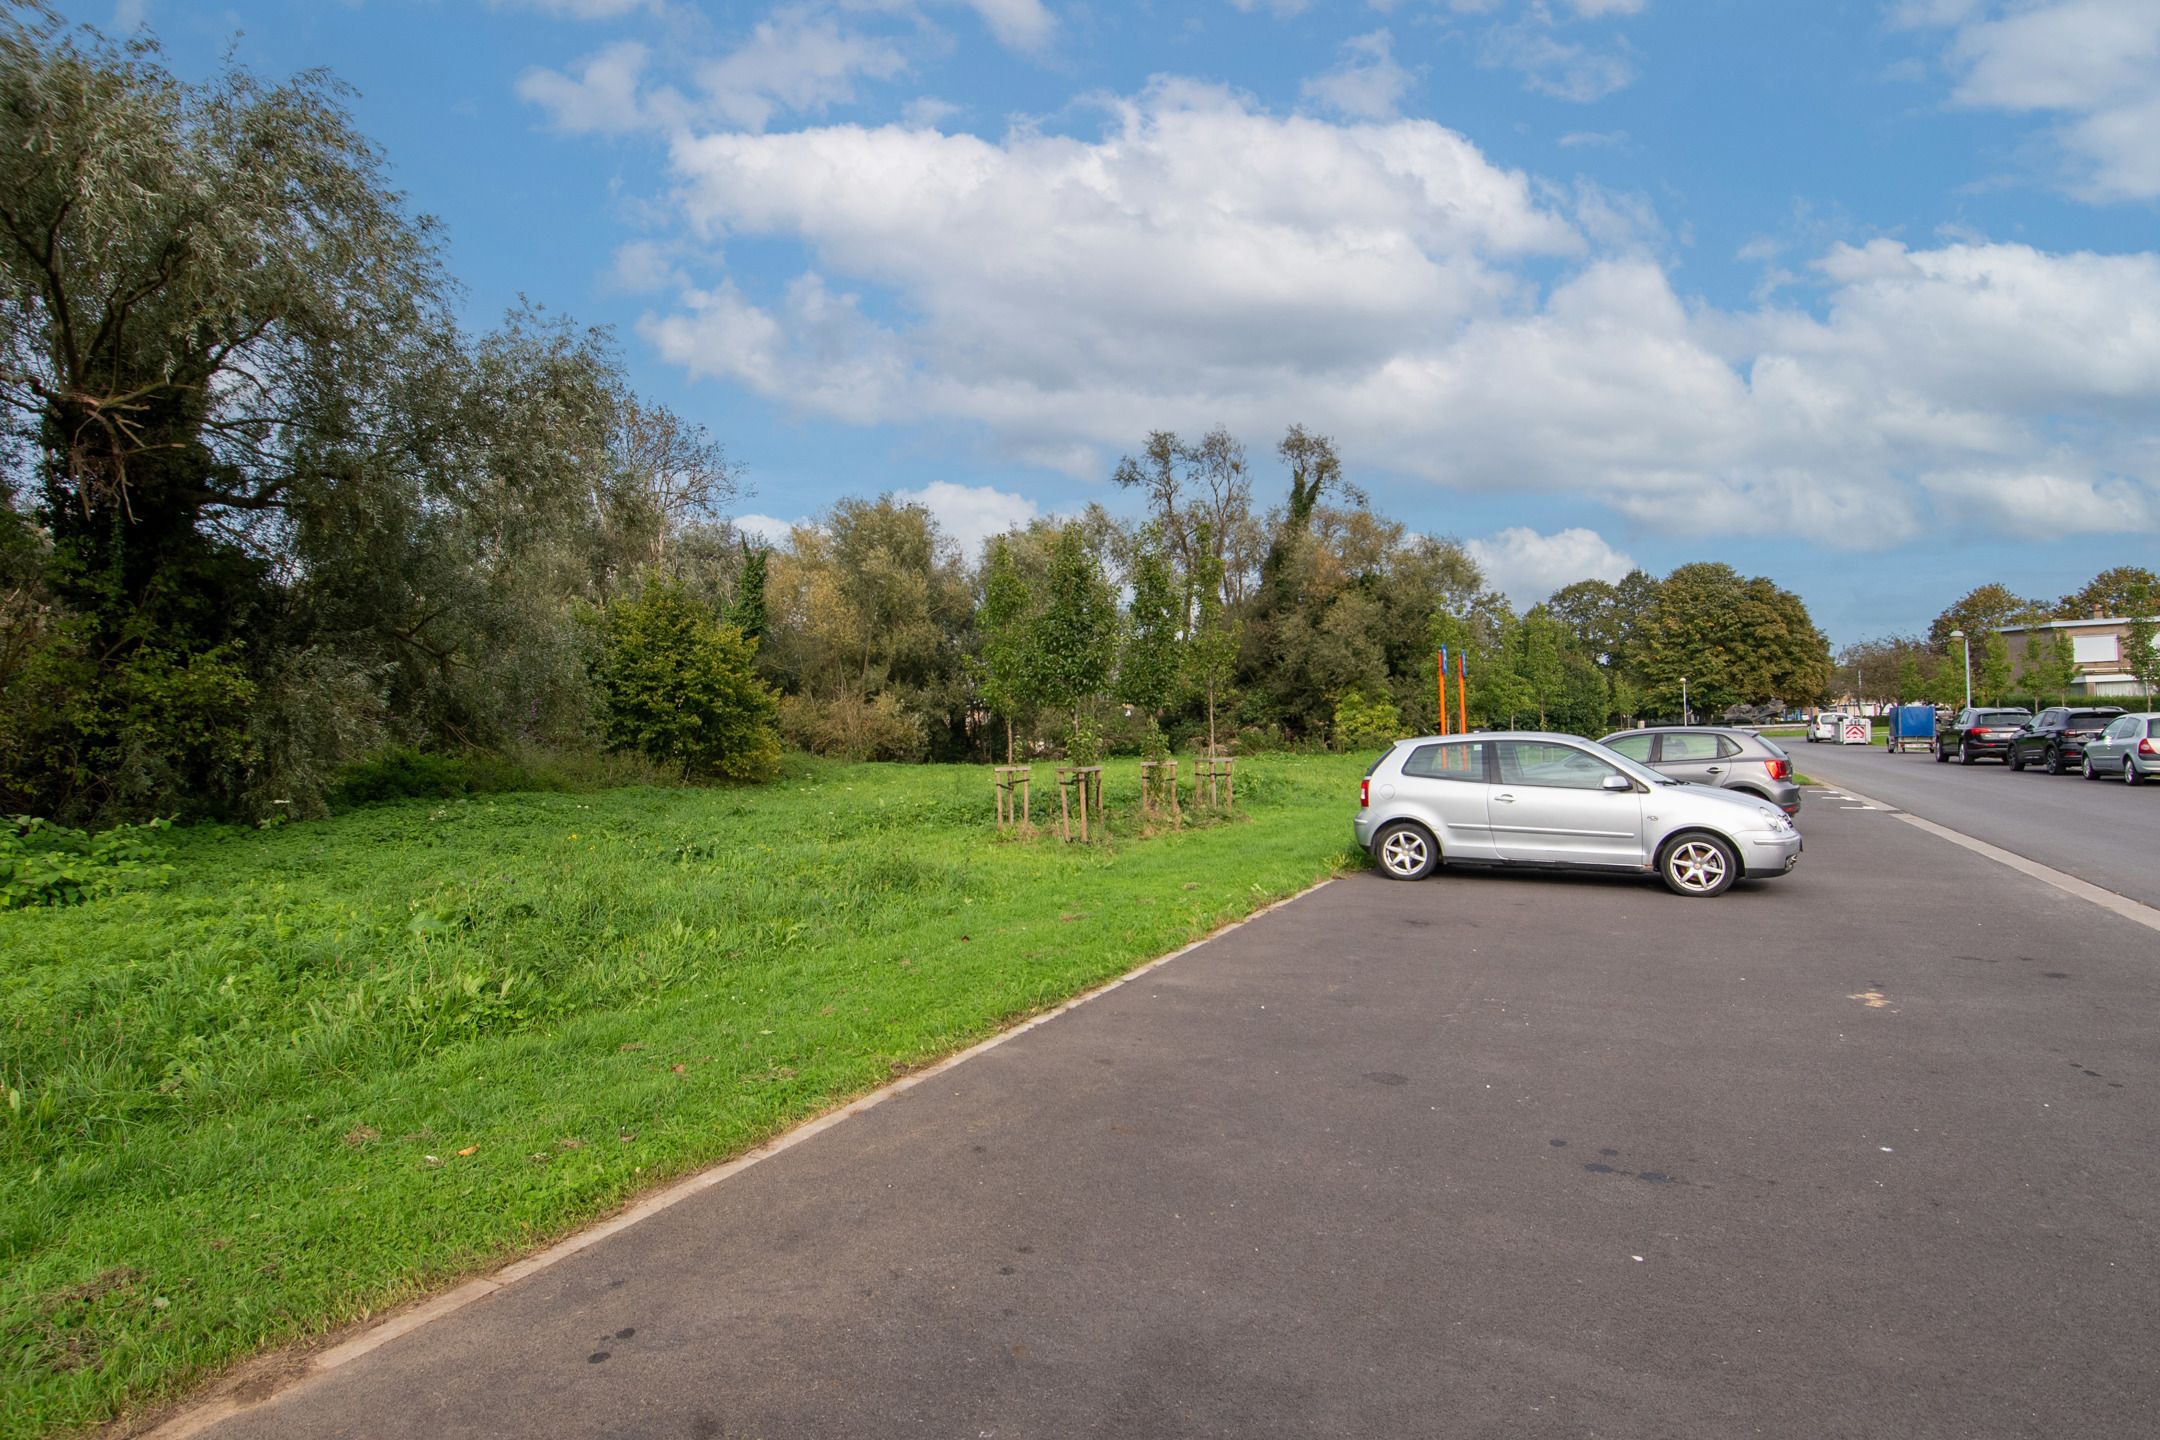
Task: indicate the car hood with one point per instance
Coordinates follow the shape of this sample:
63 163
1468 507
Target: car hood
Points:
1714 796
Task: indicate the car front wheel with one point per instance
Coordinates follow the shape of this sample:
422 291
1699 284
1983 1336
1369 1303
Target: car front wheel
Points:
1698 866
1406 851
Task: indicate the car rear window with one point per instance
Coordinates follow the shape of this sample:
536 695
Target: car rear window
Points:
1450 760
1773 747
2152 729
2088 719
1378 758
2001 717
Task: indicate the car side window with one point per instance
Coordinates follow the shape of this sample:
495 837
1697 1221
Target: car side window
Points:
1452 760
1553 766
1727 747
1683 747
1635 747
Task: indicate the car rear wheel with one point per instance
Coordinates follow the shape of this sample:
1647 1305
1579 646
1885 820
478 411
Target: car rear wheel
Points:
2130 775
1698 866
1942 756
2090 773
1965 753
1406 851
2054 760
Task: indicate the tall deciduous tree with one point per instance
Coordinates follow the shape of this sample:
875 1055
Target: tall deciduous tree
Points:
1211 651
1005 666
1074 635
2141 641
1991 671
2113 592
1983 608
1148 667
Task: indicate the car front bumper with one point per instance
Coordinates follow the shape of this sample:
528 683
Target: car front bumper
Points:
1767 854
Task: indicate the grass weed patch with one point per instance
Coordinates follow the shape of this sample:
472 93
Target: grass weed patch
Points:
332 1065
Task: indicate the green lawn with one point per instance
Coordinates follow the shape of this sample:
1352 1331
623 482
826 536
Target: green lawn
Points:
338 1064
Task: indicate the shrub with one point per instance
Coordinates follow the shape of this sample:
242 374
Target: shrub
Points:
850 727
1364 722
46 864
677 686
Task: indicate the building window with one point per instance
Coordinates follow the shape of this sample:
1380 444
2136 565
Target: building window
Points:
2094 649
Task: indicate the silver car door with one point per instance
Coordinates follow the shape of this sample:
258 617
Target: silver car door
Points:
1690 755
1444 785
1551 805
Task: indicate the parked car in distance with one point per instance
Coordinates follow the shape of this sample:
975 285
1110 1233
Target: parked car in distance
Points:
1558 801
1825 726
1714 755
2128 748
1978 731
2056 738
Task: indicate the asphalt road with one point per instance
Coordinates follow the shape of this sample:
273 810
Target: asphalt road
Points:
2101 831
1866 1151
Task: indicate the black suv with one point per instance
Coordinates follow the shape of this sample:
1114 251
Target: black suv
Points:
2056 739
1976 731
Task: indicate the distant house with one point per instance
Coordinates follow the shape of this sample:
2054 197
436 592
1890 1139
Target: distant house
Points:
2098 646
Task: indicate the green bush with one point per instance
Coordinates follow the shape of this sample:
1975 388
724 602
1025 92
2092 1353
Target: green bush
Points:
678 687
46 864
1364 723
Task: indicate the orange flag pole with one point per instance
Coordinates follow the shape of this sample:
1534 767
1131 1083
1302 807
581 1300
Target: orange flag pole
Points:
1440 669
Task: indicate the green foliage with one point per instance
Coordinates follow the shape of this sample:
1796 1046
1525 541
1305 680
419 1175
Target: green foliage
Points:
1083 743
1991 668
2118 591
678 687
1983 608
746 612
1005 669
1073 638
2141 640
1364 723
404 773
1736 641
1148 668
1211 652
46 864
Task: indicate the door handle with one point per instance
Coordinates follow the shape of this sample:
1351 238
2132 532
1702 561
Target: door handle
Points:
1505 799
1713 770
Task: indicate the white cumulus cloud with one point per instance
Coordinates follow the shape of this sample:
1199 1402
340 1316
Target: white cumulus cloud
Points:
1527 566
971 514
2094 64
1202 260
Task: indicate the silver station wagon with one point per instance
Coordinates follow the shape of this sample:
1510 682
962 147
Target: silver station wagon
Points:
1529 798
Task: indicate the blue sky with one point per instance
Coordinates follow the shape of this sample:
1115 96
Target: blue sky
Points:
1859 294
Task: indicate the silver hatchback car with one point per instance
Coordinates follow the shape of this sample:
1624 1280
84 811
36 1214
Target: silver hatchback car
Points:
1530 798
1714 755
2129 749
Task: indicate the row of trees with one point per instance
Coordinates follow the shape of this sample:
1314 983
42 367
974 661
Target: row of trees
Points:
2041 668
266 509
1207 620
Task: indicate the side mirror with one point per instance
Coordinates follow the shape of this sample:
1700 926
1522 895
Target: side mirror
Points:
1617 782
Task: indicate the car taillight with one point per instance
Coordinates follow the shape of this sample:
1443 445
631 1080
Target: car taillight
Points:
1364 794
2145 747
1778 769
1975 733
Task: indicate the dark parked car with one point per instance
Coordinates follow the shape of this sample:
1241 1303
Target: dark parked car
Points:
2056 739
1978 731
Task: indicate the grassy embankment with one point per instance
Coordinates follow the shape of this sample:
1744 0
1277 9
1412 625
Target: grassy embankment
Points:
338 1064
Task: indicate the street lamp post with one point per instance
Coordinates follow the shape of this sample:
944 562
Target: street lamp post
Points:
1685 717
1961 635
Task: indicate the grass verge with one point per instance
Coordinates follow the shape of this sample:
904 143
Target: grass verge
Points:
339 1064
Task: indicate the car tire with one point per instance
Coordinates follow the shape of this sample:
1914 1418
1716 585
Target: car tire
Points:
2130 775
2016 761
2090 773
1942 756
1965 753
1698 865
2054 760
1406 850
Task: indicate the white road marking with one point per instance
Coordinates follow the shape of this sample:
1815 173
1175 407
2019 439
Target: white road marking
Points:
2108 900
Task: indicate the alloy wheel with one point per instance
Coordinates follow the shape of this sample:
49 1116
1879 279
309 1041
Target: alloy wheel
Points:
1698 867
